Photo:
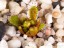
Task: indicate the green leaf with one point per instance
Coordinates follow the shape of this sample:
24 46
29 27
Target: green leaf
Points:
14 20
41 26
32 22
25 29
26 24
33 30
33 12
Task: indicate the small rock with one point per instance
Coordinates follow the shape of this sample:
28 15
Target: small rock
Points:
5 11
15 8
25 36
26 1
58 26
62 3
53 32
39 41
32 3
14 43
60 45
48 32
56 13
3 44
51 40
2 4
40 34
48 18
60 33
11 31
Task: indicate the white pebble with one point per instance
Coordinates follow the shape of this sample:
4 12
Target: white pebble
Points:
62 3
2 4
14 43
53 32
15 8
23 4
39 41
60 33
45 6
4 20
56 13
11 31
54 0
49 46
60 20
24 43
59 39
46 42
46 46
29 44
58 26
46 1
5 11
6 37
60 45
32 45
30 39
32 3
51 40
48 18
40 12
25 36
40 34
26 1
21 39
42 47
3 44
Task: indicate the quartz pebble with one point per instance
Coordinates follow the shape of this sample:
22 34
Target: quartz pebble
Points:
13 8
40 13
14 43
29 39
51 40
26 1
3 44
6 37
39 41
53 32
46 46
56 13
60 45
62 3
60 33
58 26
11 31
40 34
5 11
32 3
48 18
44 1
45 6
25 36
48 32
31 45
23 4
28 44
3 4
